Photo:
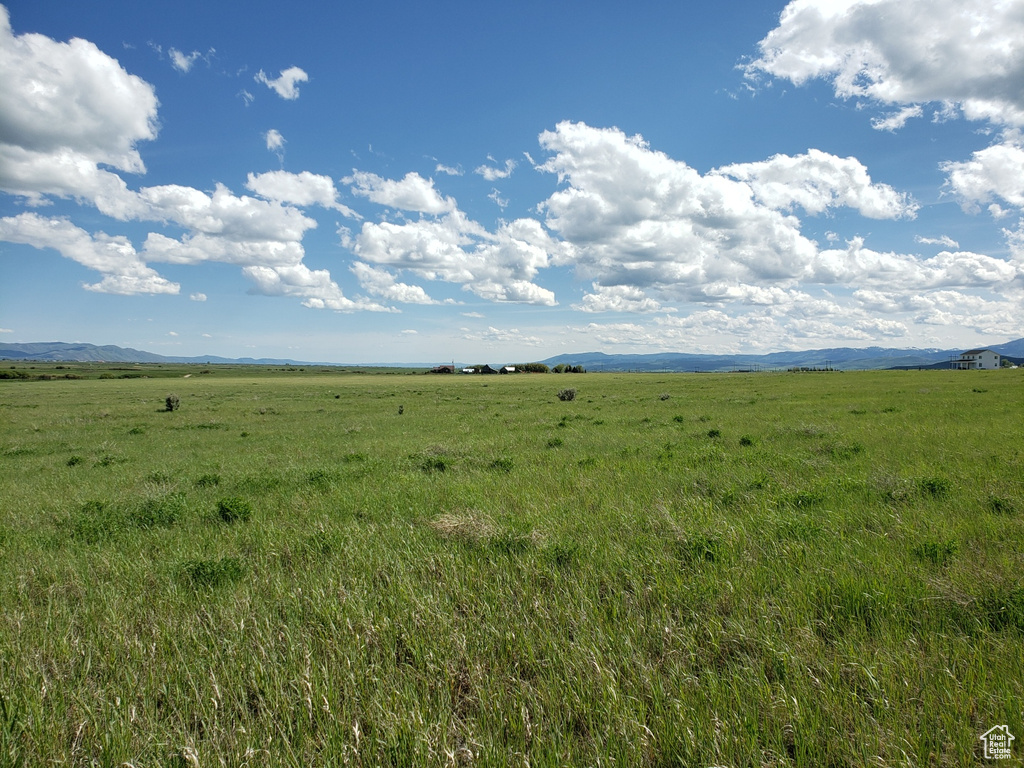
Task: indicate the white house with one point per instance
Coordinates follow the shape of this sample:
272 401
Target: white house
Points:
977 360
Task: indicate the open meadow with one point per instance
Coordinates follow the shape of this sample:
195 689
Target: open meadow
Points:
326 567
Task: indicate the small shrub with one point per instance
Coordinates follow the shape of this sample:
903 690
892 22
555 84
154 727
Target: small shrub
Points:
503 465
162 512
555 442
713 433
566 395
172 403
664 396
74 461
678 419
746 440
137 431
234 509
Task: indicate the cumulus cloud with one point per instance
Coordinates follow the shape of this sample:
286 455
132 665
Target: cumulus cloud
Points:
197 296
448 170
618 298
411 193
993 173
817 181
124 272
303 189
380 282
962 54
68 108
285 85
637 217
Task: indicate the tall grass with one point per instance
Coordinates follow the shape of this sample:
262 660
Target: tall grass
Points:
802 570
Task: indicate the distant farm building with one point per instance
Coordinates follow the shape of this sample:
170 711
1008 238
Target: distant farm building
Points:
977 360
443 369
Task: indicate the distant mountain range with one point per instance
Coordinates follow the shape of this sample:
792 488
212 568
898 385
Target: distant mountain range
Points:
841 358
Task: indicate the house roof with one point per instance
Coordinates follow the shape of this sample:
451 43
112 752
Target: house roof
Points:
977 351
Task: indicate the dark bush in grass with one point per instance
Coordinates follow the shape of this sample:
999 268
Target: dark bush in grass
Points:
746 440
74 461
172 403
1001 506
208 573
433 464
159 512
321 478
208 480
567 394
935 552
234 509
699 547
502 465
95 522
555 442
713 433
934 486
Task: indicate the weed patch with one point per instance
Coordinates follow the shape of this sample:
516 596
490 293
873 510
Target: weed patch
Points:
158 512
935 552
234 509
209 480
211 573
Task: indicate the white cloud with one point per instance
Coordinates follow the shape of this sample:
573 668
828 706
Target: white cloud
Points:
286 84
861 266
315 286
411 193
496 198
380 282
896 120
994 172
498 266
303 189
618 298
955 53
448 170
944 240
6 330
68 107
172 333
636 217
503 337
183 62
493 174
197 296
124 272
817 181
275 141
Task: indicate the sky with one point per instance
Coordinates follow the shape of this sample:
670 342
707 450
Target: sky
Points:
397 181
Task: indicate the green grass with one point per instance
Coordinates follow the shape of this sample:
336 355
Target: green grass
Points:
689 570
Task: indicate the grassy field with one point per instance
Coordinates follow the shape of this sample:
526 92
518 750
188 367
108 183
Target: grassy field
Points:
325 568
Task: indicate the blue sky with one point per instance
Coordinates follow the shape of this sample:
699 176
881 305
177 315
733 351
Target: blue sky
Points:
422 182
